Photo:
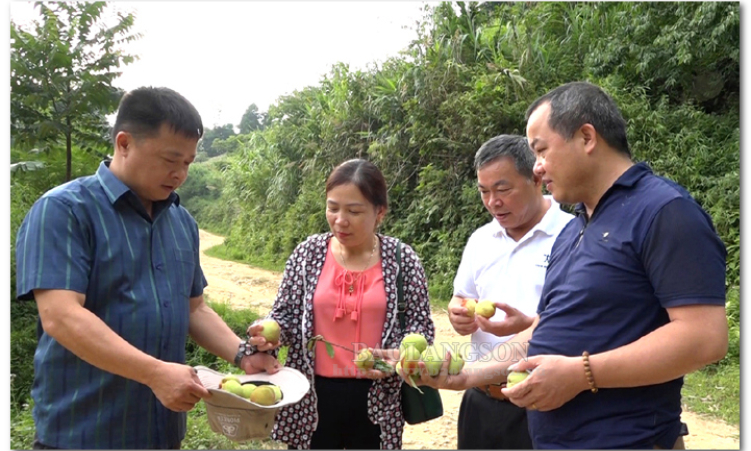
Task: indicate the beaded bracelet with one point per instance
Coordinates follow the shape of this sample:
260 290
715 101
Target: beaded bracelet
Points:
588 372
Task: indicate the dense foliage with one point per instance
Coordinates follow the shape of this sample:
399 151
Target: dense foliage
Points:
469 75
210 135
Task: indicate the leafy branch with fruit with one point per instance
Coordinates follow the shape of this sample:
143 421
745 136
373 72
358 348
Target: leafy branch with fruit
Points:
364 360
412 350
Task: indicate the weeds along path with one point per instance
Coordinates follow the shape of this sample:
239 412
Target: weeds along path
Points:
246 287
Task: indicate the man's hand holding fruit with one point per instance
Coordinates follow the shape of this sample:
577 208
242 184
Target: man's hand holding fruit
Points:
468 315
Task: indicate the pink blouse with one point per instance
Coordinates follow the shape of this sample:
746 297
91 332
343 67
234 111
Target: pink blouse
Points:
352 319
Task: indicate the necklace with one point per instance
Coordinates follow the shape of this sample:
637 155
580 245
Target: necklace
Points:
351 280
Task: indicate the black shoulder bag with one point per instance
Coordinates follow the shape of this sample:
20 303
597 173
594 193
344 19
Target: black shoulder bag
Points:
416 407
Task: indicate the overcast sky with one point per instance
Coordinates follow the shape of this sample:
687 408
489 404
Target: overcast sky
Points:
223 56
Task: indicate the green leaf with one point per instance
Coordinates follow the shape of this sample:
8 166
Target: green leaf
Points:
329 350
382 365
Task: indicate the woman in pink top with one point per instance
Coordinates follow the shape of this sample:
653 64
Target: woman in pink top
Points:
342 285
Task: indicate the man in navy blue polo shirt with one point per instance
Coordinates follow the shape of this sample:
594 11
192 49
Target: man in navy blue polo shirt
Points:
112 261
634 295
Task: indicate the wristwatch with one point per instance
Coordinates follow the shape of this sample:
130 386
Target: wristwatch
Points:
244 349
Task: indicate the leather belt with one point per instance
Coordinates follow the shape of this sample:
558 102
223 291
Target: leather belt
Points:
493 391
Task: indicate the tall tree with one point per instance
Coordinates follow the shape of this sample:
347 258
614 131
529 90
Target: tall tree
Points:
62 70
207 142
252 120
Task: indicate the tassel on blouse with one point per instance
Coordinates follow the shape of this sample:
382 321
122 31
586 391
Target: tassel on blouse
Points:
343 280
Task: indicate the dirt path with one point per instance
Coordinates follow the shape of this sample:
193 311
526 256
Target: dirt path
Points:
244 286
238 284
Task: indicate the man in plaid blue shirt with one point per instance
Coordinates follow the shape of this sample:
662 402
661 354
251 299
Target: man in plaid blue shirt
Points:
112 261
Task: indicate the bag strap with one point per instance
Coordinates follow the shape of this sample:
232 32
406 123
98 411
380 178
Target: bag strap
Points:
400 285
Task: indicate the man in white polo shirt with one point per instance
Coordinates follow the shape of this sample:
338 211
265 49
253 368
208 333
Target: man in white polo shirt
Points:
505 262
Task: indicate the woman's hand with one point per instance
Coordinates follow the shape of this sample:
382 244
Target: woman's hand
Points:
385 362
257 339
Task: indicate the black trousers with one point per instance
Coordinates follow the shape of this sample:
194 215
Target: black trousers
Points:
39 445
343 421
487 423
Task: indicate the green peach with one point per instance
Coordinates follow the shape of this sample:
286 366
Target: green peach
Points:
409 360
248 390
365 359
233 386
456 364
416 340
485 309
263 395
277 393
515 377
228 378
470 305
271 330
433 357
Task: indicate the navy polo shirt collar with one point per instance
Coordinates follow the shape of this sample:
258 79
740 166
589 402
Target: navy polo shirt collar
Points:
627 180
115 189
633 175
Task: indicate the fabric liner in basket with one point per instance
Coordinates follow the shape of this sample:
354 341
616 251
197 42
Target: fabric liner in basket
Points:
236 417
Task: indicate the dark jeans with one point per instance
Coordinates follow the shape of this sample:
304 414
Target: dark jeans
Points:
487 423
39 445
343 421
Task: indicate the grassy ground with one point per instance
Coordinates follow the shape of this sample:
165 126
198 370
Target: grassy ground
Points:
200 435
715 391
227 253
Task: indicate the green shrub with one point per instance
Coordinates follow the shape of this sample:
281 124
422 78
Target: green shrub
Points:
21 425
237 319
23 343
733 307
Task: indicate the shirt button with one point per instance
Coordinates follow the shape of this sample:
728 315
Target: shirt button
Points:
158 266
166 304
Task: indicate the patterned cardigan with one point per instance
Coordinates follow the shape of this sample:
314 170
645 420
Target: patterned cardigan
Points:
293 310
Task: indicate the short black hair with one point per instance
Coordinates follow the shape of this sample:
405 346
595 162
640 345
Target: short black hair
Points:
142 112
507 146
577 103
